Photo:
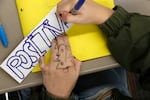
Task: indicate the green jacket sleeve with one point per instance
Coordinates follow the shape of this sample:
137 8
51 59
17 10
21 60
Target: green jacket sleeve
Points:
128 39
46 96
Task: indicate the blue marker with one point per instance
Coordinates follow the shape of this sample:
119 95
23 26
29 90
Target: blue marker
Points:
77 6
3 36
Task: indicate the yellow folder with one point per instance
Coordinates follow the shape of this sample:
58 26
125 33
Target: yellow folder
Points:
87 41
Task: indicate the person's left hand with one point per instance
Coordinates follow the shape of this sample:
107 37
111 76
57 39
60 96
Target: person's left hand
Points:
61 74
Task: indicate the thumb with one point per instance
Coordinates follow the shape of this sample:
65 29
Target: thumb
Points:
41 63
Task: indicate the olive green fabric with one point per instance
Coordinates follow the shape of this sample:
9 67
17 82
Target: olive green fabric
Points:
128 38
117 95
46 96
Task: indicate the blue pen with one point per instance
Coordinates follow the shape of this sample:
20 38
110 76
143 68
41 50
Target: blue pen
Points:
3 36
77 6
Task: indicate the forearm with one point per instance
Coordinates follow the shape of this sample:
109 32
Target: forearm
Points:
97 14
115 22
128 36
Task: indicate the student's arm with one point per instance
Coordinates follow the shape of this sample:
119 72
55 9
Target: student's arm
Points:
128 36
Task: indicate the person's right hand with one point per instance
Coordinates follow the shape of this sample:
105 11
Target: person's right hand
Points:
90 12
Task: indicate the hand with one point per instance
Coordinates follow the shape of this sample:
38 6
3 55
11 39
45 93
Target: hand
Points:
61 74
90 12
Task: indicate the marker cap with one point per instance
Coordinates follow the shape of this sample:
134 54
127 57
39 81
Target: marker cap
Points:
3 36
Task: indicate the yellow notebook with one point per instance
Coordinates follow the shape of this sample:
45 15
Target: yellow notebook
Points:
87 41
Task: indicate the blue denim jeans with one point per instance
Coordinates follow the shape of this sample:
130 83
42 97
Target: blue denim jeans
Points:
90 86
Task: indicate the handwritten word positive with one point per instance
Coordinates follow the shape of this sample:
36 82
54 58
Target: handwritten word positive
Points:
21 61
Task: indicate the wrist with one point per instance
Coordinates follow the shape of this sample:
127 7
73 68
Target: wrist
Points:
104 15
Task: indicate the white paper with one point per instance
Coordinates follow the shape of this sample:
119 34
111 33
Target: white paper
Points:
21 61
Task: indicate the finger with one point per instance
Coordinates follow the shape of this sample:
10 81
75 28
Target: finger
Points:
68 17
65 52
61 49
66 40
77 65
63 15
54 60
69 55
54 49
66 5
68 47
41 63
60 39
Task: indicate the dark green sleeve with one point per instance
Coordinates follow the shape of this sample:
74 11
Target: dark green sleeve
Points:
128 38
46 96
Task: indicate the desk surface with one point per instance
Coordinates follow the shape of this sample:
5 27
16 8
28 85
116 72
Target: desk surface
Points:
10 20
